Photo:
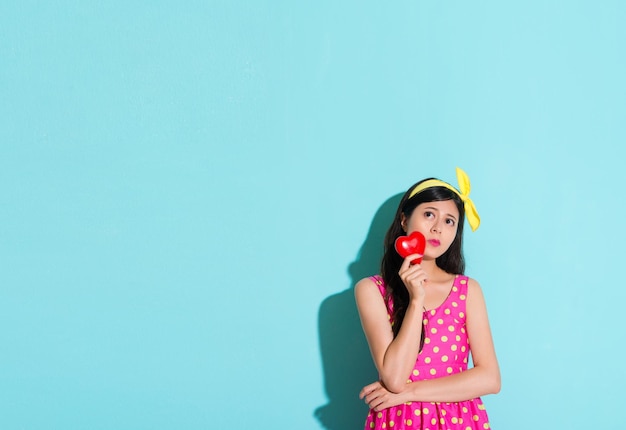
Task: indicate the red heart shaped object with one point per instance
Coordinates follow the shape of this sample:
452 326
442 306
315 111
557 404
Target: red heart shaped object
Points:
415 243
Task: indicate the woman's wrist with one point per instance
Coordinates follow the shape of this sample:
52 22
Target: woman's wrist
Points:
417 302
410 393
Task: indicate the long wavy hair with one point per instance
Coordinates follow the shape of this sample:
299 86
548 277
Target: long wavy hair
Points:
451 261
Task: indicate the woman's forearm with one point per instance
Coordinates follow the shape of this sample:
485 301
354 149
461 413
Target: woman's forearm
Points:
401 354
475 382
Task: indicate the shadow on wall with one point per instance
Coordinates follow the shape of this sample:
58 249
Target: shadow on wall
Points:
346 358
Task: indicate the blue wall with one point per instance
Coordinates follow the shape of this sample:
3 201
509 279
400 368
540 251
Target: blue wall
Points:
190 191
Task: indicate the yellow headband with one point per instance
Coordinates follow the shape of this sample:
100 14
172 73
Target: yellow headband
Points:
464 186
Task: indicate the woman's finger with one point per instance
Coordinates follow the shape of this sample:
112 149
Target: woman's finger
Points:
368 389
407 261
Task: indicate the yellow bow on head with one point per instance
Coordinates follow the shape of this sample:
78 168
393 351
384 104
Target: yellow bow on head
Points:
464 187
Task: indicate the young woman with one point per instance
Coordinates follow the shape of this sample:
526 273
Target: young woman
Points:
423 320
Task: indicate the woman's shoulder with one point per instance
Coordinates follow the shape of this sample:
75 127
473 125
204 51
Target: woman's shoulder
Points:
370 285
472 283
370 293
464 279
474 290
465 282
371 282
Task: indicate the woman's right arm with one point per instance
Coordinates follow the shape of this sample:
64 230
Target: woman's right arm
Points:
394 357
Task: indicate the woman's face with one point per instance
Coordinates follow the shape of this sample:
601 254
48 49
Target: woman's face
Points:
438 222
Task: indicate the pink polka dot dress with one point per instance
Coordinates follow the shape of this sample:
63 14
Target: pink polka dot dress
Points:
445 352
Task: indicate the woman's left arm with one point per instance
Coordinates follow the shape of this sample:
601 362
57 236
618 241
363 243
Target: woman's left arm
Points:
482 379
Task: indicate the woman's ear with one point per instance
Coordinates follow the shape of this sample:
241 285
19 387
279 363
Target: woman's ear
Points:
403 222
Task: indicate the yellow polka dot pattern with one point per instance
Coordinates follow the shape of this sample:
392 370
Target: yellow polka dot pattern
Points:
446 351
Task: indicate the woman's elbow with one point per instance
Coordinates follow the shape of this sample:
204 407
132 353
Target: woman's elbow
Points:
394 385
490 378
495 384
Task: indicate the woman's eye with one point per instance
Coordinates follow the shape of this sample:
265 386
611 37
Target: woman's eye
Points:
428 214
450 222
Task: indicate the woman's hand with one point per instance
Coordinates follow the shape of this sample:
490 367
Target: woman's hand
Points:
413 276
378 397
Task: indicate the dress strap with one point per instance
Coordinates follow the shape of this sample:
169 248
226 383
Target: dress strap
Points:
461 283
460 294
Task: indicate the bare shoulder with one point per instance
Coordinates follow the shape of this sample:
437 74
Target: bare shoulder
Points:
474 291
365 287
472 284
367 293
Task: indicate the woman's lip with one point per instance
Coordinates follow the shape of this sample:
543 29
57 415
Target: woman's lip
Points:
434 242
